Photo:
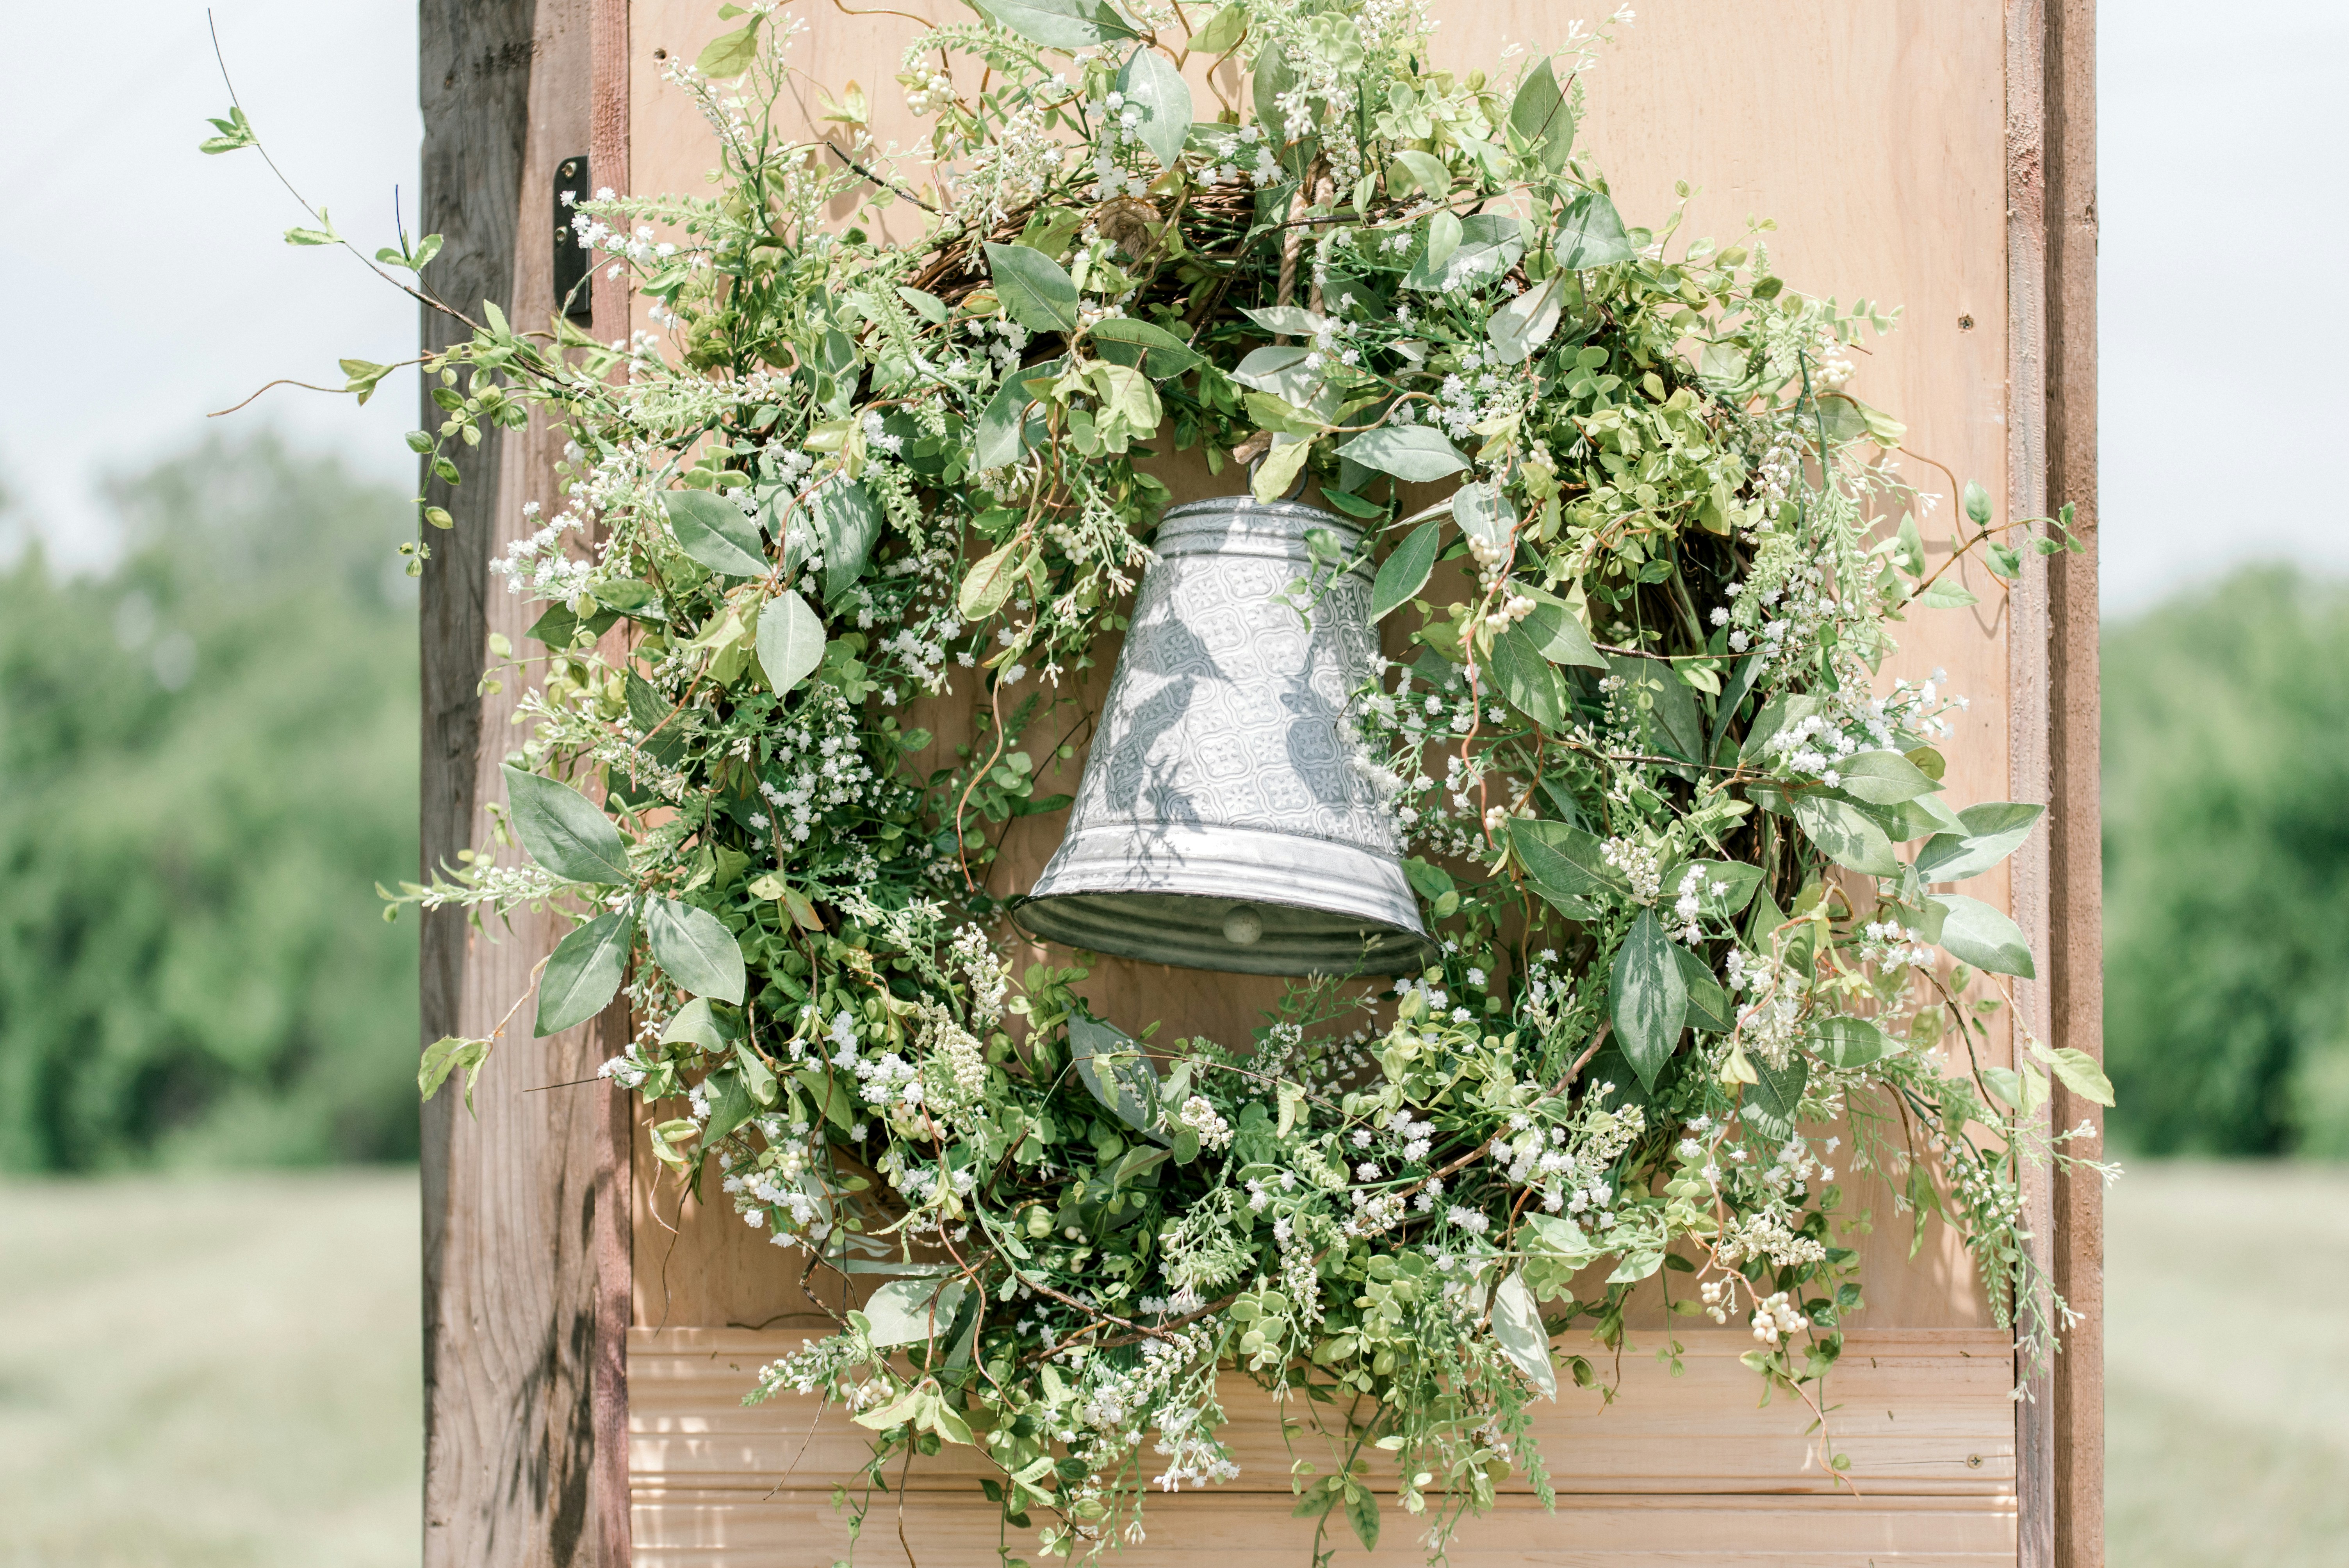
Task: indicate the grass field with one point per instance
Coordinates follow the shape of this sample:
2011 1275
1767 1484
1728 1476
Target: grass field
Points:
224 1371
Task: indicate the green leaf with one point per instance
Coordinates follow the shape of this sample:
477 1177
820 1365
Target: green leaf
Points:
447 1054
1883 778
1974 932
912 1311
730 1107
1994 831
1413 453
1738 876
728 54
235 131
695 1023
1443 237
1154 351
1847 1042
848 521
1527 680
714 532
924 304
1126 393
1557 631
1279 415
988 584
1977 501
564 831
1526 322
1671 706
1116 1072
1649 998
694 948
830 1095
584 972
791 641
1490 244
1424 169
1223 32
1033 287
1517 1330
1150 79
1276 475
1483 514
1947 593
1566 864
1363 1514
1539 114
1590 233
1003 424
1059 24
2079 1072
1844 835
1404 570
1779 1090
1709 1007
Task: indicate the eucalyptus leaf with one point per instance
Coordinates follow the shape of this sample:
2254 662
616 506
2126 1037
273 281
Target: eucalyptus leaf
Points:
1994 831
849 521
1036 289
1974 932
714 532
791 641
1590 233
1405 570
1527 680
1059 24
1843 1041
731 1104
1490 244
1647 998
1149 79
1426 170
912 1311
584 972
1154 351
1116 1072
1557 631
694 948
1485 514
1540 115
1844 835
1517 1330
1413 453
1881 777
564 830
1526 322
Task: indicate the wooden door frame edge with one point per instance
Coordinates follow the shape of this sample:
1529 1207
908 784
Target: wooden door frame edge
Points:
2053 730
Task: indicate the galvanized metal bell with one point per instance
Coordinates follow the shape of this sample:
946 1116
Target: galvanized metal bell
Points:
1221 822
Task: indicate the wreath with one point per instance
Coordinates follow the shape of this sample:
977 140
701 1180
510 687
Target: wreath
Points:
1646 755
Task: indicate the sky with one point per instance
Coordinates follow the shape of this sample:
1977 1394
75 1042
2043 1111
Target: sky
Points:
151 286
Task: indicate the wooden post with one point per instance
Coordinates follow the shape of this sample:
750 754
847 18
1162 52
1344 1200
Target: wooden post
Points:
525 1243
2068 76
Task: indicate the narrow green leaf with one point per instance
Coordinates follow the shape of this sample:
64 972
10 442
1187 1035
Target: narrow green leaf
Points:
1527 680
584 972
1526 322
988 584
1154 351
1116 1072
848 521
2078 1071
564 831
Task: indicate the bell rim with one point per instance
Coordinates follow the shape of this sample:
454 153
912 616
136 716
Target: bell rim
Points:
1414 949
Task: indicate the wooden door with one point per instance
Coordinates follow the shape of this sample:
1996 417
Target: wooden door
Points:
1904 151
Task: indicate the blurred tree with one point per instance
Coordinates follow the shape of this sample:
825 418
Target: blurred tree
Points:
207 760
2226 800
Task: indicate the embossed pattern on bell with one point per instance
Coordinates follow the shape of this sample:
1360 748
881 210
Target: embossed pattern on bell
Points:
1221 795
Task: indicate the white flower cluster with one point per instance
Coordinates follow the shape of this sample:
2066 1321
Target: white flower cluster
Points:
1640 866
1202 1117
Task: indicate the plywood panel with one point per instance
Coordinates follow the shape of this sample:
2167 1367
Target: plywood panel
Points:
1686 1468
1875 136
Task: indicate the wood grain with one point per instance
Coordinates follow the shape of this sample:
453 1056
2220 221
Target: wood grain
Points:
1884 141
522 1199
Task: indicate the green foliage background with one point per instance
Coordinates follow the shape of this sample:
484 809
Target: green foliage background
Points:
207 760
2226 796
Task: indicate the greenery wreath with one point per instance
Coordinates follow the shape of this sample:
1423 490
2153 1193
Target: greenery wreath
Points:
1654 783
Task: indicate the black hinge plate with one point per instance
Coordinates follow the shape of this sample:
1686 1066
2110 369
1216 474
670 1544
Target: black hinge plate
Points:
572 266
